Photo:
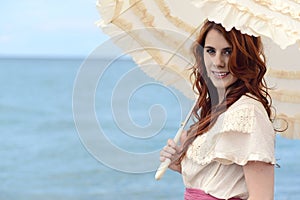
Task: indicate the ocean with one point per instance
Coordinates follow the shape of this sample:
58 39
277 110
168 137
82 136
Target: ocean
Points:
51 149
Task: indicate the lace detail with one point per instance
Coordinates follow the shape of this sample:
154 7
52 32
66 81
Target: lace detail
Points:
240 119
198 150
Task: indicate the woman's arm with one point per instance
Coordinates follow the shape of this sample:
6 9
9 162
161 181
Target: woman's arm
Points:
260 180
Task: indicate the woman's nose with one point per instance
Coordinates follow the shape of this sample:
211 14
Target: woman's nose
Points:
219 60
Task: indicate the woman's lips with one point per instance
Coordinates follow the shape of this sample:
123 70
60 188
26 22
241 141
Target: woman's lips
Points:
220 75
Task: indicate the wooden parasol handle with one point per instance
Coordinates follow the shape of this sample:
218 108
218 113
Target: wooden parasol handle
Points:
164 165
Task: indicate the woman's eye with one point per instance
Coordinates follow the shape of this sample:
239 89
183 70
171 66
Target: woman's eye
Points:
210 51
227 52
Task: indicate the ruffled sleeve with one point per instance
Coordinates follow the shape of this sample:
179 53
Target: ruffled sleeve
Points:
243 133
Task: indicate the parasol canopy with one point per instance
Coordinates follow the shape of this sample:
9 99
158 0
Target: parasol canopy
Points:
162 33
159 34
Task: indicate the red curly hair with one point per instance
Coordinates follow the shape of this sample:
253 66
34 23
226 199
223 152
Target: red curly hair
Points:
246 62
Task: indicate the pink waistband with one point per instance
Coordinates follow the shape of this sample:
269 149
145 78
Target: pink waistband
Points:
195 194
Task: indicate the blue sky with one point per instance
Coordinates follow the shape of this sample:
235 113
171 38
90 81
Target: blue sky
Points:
49 28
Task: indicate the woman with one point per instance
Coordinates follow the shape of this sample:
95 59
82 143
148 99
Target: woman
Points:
228 153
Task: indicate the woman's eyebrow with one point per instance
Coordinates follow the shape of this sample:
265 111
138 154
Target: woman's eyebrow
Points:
210 47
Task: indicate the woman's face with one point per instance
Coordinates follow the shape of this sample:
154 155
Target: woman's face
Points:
217 52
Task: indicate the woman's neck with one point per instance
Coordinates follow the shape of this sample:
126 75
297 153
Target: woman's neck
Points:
221 94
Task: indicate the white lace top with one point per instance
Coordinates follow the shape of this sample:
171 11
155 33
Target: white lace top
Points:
214 161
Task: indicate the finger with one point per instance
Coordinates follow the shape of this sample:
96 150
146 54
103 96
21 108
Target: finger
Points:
169 149
166 154
171 143
162 159
178 149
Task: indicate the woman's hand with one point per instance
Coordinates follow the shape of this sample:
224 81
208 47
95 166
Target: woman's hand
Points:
171 152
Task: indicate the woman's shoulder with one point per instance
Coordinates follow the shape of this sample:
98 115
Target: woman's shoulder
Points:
245 115
247 102
235 136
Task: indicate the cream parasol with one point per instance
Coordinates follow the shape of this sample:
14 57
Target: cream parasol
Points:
162 32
